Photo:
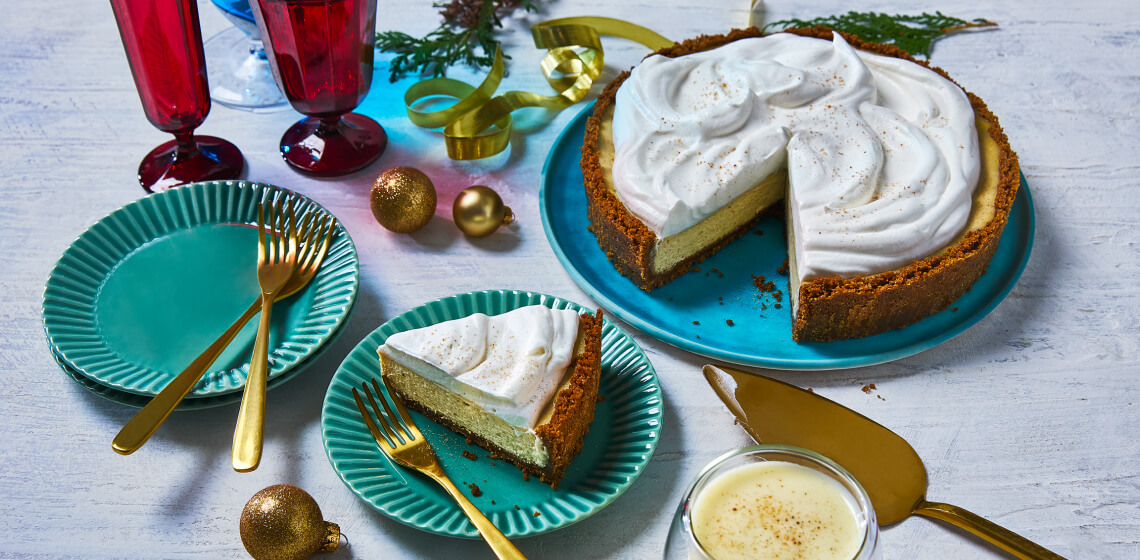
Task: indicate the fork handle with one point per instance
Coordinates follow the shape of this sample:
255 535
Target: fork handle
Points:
503 548
146 421
251 417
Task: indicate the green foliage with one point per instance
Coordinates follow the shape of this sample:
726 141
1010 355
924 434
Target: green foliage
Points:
453 42
913 34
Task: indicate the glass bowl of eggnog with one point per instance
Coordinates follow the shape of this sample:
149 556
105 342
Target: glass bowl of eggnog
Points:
773 502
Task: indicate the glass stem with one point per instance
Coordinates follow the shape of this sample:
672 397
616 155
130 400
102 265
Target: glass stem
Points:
328 127
186 144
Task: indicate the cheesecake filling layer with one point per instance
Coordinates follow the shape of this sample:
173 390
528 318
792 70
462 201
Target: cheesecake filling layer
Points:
509 364
409 378
881 154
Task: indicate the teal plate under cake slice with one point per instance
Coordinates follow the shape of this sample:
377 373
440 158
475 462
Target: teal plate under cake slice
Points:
622 437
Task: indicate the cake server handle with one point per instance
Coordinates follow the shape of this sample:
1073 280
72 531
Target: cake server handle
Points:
1003 538
503 548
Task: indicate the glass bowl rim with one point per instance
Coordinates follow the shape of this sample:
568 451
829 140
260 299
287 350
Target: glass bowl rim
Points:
862 499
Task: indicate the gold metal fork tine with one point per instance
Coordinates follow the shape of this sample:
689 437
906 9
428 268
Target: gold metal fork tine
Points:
311 237
329 234
271 217
386 425
415 431
407 431
274 229
303 245
280 234
276 221
328 227
377 435
261 231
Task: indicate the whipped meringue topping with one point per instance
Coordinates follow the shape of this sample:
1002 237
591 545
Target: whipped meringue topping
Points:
882 153
509 364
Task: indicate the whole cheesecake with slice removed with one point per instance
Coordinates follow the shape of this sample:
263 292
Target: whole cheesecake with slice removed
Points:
896 183
522 384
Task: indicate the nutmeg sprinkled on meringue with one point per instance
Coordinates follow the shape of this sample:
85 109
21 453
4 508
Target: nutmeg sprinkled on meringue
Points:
882 153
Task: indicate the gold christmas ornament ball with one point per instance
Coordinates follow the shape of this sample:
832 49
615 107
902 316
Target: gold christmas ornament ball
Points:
479 211
403 199
283 522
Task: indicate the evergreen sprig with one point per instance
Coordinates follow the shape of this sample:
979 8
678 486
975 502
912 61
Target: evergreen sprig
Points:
913 34
466 36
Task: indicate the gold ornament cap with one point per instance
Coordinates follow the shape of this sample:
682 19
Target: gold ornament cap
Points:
478 211
403 199
283 522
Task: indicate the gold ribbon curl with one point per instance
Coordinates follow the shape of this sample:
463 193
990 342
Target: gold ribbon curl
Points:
478 125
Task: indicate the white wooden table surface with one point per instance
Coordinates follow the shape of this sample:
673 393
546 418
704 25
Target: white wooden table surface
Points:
1030 418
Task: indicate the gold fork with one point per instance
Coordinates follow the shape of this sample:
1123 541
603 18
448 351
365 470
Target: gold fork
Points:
276 263
409 448
146 421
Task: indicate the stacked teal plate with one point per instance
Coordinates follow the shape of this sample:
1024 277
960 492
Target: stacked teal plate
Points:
623 435
142 292
190 402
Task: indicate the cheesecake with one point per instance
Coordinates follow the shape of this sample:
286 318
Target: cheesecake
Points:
522 385
894 182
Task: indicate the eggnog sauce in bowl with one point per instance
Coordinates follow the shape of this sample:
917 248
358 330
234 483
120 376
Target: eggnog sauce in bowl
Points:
777 510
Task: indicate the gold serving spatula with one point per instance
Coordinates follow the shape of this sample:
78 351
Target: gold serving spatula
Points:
885 465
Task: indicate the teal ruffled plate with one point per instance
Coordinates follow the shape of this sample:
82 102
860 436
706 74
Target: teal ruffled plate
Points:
142 292
718 312
139 401
620 443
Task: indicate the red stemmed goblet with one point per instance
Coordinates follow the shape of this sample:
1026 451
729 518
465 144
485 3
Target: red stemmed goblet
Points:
321 54
164 48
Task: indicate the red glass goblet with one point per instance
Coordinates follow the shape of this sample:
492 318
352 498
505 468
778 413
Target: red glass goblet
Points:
164 48
321 55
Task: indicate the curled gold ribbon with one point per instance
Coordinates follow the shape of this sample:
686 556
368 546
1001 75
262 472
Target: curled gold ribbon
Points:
478 125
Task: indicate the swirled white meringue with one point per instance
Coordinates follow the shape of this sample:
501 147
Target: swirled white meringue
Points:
509 364
882 154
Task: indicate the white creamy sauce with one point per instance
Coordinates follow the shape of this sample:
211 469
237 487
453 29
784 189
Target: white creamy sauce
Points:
777 511
882 154
510 364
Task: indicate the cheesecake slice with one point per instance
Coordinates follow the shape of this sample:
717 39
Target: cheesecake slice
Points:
522 385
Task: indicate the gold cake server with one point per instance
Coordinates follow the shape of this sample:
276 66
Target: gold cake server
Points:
883 462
